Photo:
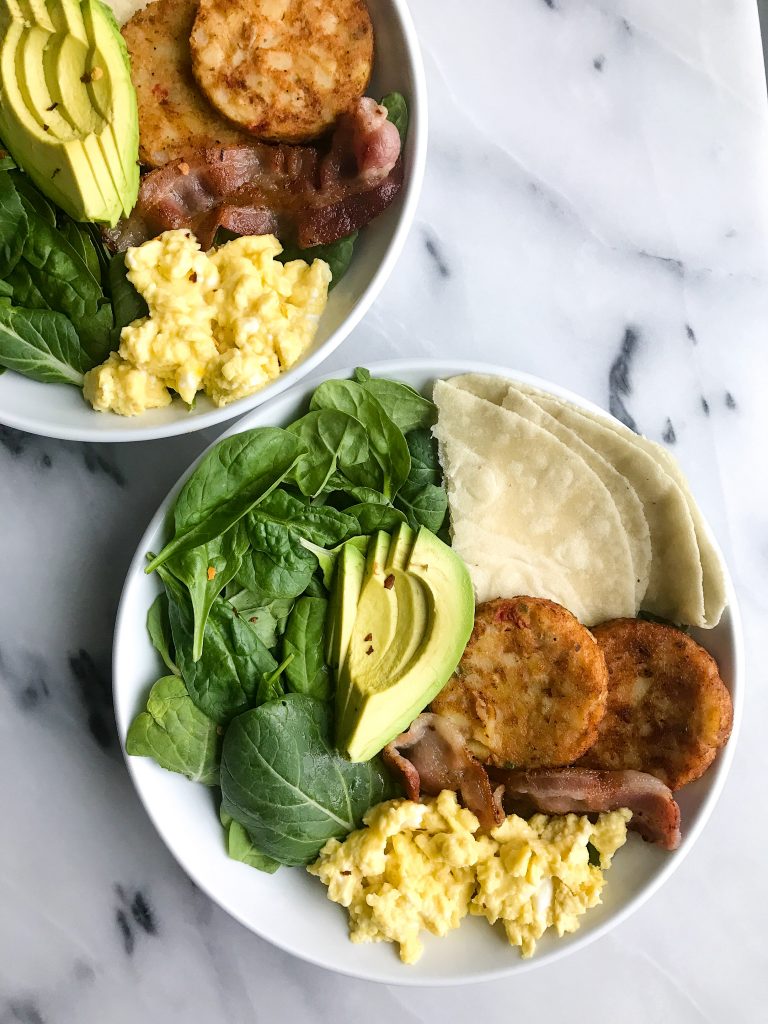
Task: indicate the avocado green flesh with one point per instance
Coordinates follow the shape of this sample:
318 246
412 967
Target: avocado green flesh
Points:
50 118
32 58
350 570
433 618
121 139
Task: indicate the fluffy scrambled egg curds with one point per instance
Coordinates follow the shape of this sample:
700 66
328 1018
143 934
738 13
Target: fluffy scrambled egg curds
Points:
226 322
425 865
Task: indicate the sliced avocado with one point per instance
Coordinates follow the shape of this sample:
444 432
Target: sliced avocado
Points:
109 54
347 584
67 105
375 608
32 56
53 165
381 704
400 547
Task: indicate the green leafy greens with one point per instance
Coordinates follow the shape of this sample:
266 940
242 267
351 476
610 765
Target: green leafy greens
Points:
256 531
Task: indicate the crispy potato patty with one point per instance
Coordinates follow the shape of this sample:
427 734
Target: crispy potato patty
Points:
669 712
531 686
282 69
174 116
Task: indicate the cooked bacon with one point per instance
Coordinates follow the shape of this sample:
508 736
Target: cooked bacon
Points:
431 756
295 192
655 813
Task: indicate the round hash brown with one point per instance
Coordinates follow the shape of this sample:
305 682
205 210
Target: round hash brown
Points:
282 69
174 116
669 712
530 689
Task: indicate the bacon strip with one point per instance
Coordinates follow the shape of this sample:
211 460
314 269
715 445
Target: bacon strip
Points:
431 756
655 813
294 192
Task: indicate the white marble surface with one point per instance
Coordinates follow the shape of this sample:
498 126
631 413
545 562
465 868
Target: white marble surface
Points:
595 211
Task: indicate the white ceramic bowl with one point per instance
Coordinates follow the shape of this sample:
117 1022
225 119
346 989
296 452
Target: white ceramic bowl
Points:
290 908
58 410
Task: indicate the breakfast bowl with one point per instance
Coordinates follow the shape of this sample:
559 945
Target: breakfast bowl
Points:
59 410
290 908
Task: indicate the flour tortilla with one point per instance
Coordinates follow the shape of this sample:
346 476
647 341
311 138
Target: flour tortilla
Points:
628 504
528 515
676 584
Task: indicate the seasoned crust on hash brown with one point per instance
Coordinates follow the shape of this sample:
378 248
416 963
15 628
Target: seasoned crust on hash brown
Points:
282 69
174 115
530 689
669 712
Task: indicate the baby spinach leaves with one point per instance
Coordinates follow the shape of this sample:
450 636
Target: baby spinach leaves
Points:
422 497
403 404
61 317
235 669
307 671
236 474
397 112
333 440
177 734
257 531
240 846
389 464
338 256
42 345
285 784
159 629
205 571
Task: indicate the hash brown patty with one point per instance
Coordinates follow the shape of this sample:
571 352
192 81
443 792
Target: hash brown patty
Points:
530 689
282 69
174 115
669 712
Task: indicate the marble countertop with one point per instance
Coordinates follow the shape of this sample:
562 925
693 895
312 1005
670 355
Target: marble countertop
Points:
595 211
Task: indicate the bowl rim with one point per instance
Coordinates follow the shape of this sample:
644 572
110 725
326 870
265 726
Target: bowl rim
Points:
719 770
406 210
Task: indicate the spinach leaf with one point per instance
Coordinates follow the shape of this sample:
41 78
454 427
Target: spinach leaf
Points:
332 440
30 197
321 524
397 112
205 571
240 846
388 467
422 497
236 474
42 345
159 629
79 238
425 465
338 256
594 855
50 274
341 490
127 304
423 505
13 224
304 638
283 781
277 566
176 734
371 518
268 620
233 672
405 406
6 160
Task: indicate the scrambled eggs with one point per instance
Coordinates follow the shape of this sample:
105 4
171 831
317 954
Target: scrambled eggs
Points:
226 322
424 865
